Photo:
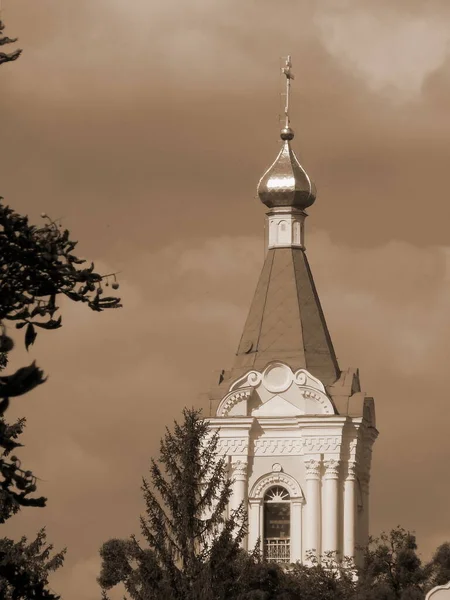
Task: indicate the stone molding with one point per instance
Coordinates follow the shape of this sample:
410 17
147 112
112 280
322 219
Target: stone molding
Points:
266 481
231 400
231 446
322 444
277 446
320 398
295 446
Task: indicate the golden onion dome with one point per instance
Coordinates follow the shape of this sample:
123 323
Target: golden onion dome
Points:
286 183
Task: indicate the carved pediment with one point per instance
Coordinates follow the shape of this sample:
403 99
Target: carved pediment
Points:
276 391
275 407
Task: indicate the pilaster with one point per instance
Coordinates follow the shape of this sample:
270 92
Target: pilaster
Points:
349 510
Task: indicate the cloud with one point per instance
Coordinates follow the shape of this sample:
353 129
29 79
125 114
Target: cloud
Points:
394 297
136 47
393 51
118 378
80 579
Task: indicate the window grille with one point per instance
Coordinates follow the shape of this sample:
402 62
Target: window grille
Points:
277 550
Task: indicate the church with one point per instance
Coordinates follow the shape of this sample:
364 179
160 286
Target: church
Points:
297 430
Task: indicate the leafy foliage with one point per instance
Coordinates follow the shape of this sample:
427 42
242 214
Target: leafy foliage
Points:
24 568
392 569
326 578
37 266
4 56
192 546
439 566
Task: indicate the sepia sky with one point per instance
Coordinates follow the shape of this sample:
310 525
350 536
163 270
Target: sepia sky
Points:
146 125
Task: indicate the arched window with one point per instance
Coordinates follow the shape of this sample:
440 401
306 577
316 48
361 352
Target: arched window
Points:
277 525
283 233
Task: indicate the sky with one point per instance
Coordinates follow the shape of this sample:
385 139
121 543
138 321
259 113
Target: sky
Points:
146 126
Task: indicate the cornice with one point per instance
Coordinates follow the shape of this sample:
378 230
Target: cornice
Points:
231 422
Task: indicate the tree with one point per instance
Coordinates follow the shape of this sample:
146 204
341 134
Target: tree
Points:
37 267
324 578
392 570
193 549
7 57
257 579
439 566
24 568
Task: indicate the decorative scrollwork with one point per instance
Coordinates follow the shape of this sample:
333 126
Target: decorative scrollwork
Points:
331 468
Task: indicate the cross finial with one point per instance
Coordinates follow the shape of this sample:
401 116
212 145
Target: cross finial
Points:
286 70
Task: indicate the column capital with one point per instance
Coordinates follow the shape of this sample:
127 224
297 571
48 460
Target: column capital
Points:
331 468
239 469
300 500
352 467
255 501
312 468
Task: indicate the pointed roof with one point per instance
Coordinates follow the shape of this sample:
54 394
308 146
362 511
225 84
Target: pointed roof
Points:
286 320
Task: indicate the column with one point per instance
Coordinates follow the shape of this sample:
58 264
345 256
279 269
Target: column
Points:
239 475
349 511
254 525
312 541
296 529
331 506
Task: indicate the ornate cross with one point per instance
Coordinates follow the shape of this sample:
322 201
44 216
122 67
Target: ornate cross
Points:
286 70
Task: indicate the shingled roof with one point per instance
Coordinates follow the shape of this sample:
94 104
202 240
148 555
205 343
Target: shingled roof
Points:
286 320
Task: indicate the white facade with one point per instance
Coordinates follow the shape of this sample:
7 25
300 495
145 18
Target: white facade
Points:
287 445
286 228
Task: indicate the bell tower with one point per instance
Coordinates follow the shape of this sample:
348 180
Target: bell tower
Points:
297 431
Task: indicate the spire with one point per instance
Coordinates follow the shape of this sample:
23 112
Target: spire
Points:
286 183
286 321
